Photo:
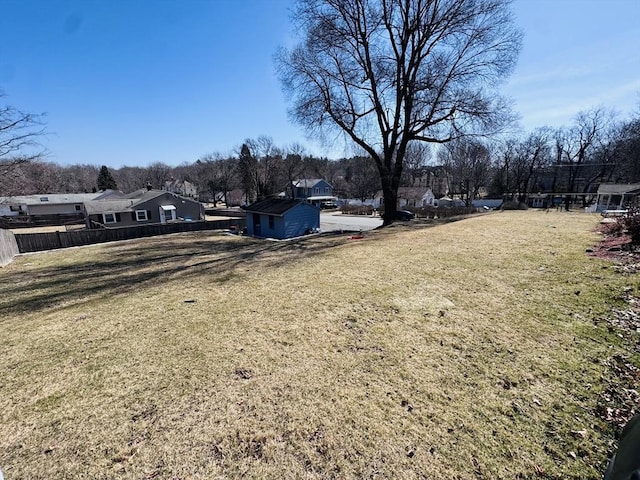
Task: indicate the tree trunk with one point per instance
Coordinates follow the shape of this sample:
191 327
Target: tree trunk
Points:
390 197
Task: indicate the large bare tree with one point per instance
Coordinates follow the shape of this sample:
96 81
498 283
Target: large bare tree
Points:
389 72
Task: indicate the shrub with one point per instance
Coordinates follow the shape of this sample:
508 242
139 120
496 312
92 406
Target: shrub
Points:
631 222
612 228
514 205
357 209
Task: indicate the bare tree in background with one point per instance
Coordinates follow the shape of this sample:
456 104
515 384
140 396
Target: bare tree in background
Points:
216 175
504 158
130 179
389 72
627 151
79 178
360 175
32 177
575 144
19 134
293 167
268 156
158 173
532 155
468 161
416 158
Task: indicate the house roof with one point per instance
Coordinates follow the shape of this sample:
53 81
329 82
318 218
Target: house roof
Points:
618 188
309 183
273 206
144 194
51 199
110 195
102 206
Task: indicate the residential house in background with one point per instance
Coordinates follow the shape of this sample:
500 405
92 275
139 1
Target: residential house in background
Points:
181 187
141 208
616 196
281 218
235 198
48 204
415 197
315 191
434 177
539 200
45 209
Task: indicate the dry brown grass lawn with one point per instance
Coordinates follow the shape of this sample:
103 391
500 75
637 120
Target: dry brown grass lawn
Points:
454 352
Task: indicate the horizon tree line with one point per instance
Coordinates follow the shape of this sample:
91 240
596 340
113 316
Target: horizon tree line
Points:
595 148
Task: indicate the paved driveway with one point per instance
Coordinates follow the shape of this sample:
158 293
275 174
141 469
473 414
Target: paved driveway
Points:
337 221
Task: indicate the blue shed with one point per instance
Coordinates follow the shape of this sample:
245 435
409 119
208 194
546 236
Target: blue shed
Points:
281 218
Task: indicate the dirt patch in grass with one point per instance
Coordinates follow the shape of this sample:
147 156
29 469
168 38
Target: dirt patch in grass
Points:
615 246
466 350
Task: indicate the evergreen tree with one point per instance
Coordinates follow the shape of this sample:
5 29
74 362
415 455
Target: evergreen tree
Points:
248 170
105 180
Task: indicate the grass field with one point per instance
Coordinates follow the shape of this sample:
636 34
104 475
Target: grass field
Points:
474 349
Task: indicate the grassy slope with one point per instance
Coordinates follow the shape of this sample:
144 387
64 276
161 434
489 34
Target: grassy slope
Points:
460 351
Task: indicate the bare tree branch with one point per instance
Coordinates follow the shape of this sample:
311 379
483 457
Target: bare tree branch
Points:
19 133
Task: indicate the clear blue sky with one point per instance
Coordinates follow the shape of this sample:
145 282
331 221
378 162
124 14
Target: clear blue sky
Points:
131 82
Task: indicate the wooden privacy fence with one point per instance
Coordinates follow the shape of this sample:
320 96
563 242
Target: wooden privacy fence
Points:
35 242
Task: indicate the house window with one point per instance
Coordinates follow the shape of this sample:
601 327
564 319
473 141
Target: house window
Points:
326 189
44 199
141 216
78 208
109 217
271 222
317 190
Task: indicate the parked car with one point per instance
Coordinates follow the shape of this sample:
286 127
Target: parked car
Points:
328 205
404 215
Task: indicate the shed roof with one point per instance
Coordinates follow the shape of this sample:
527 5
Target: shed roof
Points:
273 206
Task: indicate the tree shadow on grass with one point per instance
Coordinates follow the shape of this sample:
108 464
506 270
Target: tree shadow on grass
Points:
122 268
